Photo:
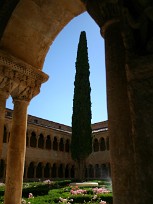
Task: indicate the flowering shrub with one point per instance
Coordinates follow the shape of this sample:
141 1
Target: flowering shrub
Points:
100 190
78 191
30 195
102 202
65 200
48 182
23 201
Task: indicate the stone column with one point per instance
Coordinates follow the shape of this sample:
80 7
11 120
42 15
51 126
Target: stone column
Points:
140 77
108 16
3 96
16 153
26 84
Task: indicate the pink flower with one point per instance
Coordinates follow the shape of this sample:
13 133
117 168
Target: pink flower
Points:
78 191
30 195
100 190
102 202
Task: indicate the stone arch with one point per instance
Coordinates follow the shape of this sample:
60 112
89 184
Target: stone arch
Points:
41 141
91 171
5 135
102 144
39 170
42 26
61 145
104 170
55 144
33 140
67 145
72 171
54 170
97 171
60 171
48 143
67 171
95 145
27 138
30 173
2 168
107 143
47 170
17 41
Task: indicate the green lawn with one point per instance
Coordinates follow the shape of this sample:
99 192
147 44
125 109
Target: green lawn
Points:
57 191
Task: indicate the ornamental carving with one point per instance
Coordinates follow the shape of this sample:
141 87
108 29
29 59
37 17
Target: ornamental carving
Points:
25 93
19 79
138 21
135 18
104 12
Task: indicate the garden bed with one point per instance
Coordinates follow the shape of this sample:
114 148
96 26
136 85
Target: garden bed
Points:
61 192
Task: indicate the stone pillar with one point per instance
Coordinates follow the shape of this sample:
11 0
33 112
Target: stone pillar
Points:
140 77
25 84
16 153
108 16
3 97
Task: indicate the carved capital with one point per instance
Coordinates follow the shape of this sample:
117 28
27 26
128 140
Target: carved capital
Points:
5 86
138 19
104 12
22 80
25 93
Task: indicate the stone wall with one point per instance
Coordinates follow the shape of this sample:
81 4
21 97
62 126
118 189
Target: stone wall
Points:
48 150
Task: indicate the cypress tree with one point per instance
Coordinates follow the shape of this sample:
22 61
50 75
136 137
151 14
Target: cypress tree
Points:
81 142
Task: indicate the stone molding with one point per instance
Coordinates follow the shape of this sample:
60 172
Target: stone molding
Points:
18 78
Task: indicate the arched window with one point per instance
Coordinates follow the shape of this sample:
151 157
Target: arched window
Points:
39 171
55 144
61 145
107 143
54 169
30 173
5 135
104 171
48 142
2 164
8 136
60 171
72 172
33 140
41 141
27 139
47 171
67 146
97 171
91 171
67 171
102 144
96 145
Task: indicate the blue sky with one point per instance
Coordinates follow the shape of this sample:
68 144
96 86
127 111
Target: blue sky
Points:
55 100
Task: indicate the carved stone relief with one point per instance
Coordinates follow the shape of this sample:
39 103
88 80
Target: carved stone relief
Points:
19 79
